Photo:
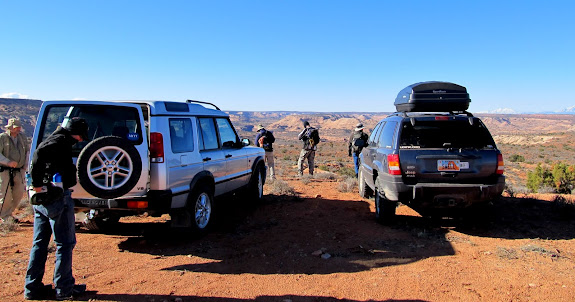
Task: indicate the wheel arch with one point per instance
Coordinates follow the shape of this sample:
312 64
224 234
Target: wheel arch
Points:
204 177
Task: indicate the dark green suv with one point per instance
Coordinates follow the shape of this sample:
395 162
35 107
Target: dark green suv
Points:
430 161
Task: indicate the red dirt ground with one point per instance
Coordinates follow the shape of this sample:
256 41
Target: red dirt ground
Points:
321 248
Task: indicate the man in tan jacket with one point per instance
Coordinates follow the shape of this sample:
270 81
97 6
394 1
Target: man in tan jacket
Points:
13 157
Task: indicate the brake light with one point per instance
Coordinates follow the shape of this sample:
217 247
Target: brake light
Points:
137 204
393 164
156 147
500 164
442 118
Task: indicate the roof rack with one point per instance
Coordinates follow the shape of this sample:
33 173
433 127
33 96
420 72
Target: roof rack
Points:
200 102
412 113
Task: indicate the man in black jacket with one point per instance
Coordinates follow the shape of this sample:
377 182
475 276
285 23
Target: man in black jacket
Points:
357 140
310 137
54 155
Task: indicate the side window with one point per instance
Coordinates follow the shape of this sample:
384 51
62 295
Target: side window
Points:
228 137
374 134
181 135
387 135
209 136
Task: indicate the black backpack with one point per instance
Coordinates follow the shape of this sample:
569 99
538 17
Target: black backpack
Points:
269 139
313 136
358 142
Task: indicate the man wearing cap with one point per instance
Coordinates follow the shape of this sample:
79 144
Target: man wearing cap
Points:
54 155
13 150
357 140
265 140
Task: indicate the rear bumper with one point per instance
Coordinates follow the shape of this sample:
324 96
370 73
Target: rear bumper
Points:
442 195
155 201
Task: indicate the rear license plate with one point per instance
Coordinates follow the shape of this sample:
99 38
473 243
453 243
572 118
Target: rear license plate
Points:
448 165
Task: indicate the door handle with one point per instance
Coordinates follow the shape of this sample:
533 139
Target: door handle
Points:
207 159
228 155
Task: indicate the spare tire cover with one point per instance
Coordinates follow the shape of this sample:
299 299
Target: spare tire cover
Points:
109 167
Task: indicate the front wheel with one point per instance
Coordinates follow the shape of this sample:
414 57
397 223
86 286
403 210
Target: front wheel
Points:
384 208
256 185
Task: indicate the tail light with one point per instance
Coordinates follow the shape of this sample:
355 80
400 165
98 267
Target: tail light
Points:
500 164
156 147
137 204
393 164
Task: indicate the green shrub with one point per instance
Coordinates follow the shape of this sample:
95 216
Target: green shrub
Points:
516 158
560 179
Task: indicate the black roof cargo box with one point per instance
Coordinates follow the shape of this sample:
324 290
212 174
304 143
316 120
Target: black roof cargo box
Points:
432 97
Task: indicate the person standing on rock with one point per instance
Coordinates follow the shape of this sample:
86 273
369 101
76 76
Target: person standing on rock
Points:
356 142
265 140
55 217
13 150
310 137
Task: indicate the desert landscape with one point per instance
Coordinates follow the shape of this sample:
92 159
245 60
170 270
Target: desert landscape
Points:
315 239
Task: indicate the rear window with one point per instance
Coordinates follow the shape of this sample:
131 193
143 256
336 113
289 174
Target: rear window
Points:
445 134
102 121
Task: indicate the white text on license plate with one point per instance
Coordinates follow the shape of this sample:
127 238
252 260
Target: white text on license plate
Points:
451 165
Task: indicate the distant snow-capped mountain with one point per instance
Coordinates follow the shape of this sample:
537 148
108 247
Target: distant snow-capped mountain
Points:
570 110
501 111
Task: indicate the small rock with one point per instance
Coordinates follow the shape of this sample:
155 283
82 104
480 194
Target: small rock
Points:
532 285
318 196
317 253
325 256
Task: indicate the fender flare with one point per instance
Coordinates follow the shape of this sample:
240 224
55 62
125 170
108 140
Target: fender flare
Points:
204 176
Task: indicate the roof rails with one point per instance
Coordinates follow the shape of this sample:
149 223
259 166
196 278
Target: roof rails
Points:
207 103
409 114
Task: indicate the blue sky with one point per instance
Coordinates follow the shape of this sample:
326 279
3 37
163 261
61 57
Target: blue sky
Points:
289 55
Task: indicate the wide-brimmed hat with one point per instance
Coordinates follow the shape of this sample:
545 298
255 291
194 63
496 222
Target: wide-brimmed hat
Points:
13 123
78 126
359 127
259 127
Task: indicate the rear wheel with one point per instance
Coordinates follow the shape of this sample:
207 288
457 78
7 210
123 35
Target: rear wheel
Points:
384 208
200 208
100 223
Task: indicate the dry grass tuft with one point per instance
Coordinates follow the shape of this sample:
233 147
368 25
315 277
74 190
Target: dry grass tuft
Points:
281 187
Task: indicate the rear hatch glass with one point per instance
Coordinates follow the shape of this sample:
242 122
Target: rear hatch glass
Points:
448 149
102 121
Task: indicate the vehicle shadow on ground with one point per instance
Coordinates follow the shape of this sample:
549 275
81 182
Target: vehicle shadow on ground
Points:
288 235
144 297
521 218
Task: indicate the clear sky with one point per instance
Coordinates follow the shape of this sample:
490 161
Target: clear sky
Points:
291 55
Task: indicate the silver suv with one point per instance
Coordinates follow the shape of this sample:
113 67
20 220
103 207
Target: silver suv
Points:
154 156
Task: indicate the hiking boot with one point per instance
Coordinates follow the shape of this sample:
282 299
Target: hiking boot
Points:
78 290
46 292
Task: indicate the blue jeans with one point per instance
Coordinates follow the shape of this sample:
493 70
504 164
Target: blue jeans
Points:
355 162
58 219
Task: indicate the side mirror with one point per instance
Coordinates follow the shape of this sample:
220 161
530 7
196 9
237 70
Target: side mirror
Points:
246 142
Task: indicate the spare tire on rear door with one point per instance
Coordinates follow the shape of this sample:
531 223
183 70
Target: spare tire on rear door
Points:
109 167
